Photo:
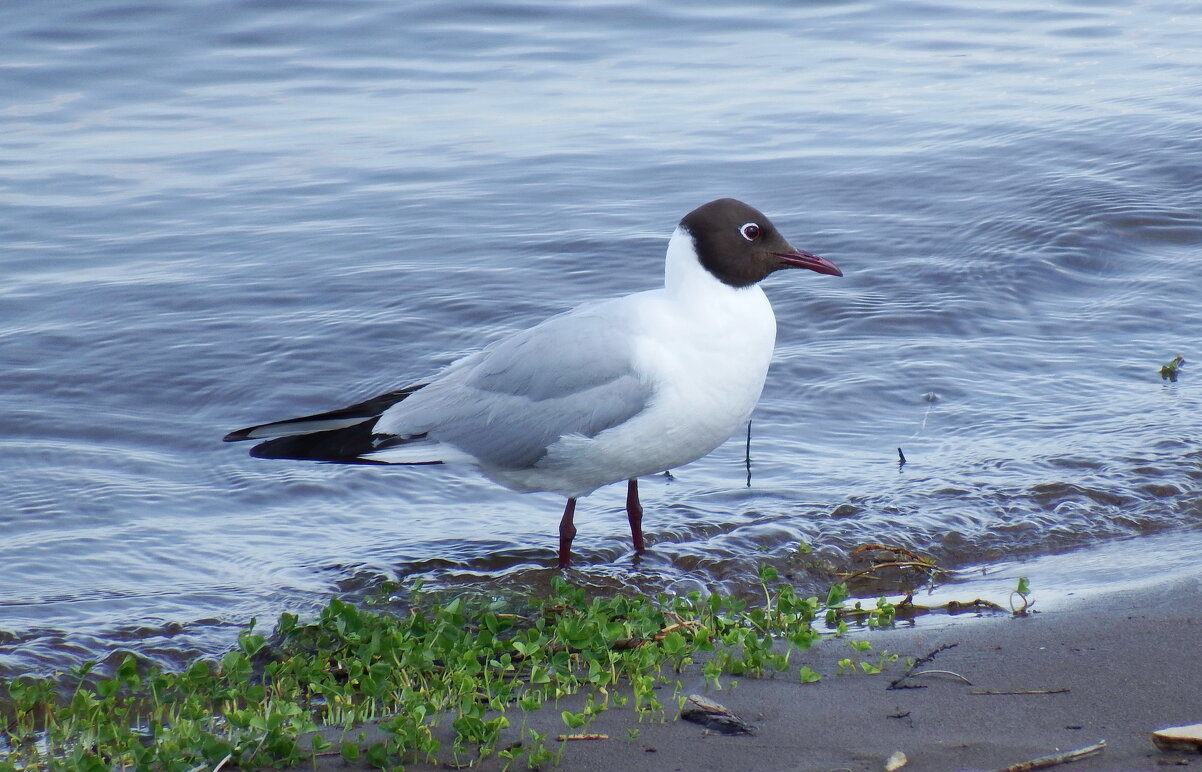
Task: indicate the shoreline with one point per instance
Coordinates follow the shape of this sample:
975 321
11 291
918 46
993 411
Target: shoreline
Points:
1108 653
1109 665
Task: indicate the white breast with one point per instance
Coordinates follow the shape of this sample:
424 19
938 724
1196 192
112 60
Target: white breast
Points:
704 347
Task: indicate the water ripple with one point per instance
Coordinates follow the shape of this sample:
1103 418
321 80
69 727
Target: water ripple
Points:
216 214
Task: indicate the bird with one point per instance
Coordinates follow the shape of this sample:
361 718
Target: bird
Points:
610 391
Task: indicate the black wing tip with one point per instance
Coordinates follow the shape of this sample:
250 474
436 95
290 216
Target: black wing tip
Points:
365 410
333 446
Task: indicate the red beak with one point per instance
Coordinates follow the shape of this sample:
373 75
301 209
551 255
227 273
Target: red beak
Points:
800 259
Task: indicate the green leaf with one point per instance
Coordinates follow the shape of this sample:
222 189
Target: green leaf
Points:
836 595
1024 586
673 643
127 671
251 644
287 623
377 756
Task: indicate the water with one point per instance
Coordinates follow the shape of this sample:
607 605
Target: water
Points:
219 213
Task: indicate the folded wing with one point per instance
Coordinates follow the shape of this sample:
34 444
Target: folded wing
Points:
502 407
573 374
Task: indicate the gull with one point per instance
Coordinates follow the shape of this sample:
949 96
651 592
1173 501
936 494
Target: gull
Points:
612 390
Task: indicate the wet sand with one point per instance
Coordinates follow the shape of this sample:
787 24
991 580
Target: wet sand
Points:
1128 661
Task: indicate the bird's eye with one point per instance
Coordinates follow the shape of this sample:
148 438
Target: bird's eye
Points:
750 231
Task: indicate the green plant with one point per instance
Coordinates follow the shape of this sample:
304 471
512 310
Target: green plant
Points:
461 662
1023 591
1171 369
883 614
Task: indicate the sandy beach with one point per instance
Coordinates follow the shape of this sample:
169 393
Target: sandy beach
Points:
1128 665
1109 665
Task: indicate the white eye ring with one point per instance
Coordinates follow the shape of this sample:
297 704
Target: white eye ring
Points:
750 231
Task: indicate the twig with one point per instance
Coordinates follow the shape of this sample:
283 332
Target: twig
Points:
897 682
1056 758
907 606
925 566
567 737
933 653
953 606
622 644
940 672
685 625
1021 691
669 614
898 550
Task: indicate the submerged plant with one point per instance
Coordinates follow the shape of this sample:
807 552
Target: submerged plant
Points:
1171 369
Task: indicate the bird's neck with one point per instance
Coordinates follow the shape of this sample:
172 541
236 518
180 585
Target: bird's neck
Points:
686 279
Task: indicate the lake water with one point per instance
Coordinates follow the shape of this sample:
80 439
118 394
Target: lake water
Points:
219 213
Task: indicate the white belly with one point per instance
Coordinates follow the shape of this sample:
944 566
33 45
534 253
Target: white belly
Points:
707 368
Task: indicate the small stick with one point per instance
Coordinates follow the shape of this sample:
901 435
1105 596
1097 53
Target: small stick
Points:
953 605
1021 691
684 625
940 672
896 683
934 653
895 564
673 615
899 550
1056 758
567 737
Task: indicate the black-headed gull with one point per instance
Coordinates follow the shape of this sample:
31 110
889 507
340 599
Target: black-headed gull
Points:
610 391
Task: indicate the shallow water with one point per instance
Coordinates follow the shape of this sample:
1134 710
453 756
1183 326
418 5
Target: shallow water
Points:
215 214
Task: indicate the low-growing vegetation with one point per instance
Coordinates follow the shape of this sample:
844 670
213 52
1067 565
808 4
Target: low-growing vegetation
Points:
460 670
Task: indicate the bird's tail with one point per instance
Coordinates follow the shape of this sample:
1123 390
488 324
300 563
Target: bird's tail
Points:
338 436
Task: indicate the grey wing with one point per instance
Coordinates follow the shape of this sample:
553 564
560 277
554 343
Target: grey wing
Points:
571 375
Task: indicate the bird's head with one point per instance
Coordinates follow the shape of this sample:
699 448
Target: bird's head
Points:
740 246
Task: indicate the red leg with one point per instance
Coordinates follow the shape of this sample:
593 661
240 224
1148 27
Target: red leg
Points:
634 513
567 531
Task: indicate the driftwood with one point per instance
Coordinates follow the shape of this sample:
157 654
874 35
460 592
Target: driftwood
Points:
1043 762
1021 691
